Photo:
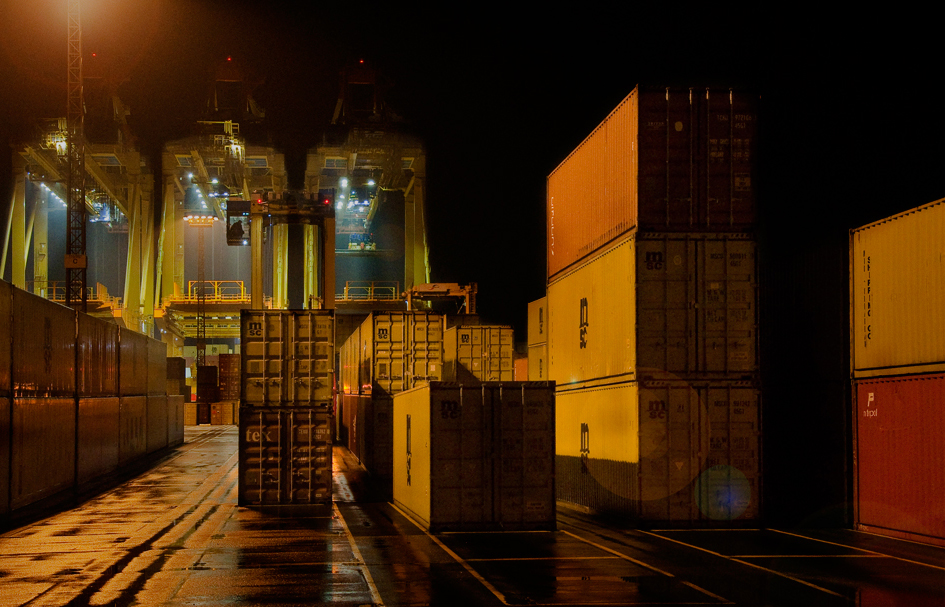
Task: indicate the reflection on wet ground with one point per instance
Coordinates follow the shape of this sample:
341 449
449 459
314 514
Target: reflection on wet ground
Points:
175 536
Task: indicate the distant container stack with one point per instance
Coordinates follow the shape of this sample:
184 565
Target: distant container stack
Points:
897 334
287 370
390 352
479 353
649 326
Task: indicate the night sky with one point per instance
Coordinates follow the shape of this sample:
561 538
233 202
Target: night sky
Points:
852 122
852 127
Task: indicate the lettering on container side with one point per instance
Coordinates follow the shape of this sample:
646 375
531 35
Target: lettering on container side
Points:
584 324
585 447
870 402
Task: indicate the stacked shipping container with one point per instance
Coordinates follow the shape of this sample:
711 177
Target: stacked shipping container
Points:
538 340
479 353
897 298
651 310
287 371
390 352
79 399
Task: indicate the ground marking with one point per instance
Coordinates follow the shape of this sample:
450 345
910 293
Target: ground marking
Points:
375 595
455 556
647 566
737 560
872 552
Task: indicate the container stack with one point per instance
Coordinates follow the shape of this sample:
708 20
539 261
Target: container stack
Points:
476 457
538 340
285 408
651 311
479 353
897 299
390 352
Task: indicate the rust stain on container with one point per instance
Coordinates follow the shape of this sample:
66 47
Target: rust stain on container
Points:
900 456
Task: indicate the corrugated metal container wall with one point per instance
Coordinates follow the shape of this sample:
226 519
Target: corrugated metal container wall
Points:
683 303
897 294
284 457
591 319
696 152
40 468
5 435
696 304
132 428
480 353
670 451
6 341
538 362
98 427
401 350
476 458
44 336
175 420
157 367
900 456
133 363
675 159
287 357
98 357
592 195
537 321
349 355
156 423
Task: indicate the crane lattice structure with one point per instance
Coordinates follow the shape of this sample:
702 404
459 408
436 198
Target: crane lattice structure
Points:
76 261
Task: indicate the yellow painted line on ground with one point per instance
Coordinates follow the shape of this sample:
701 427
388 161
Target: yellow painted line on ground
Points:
455 556
375 595
736 560
647 566
619 554
889 556
548 558
807 556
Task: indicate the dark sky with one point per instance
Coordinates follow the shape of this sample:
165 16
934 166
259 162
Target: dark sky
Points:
852 115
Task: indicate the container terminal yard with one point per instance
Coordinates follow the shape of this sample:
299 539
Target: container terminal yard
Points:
242 380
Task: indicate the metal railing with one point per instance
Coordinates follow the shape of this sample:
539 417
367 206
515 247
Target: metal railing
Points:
363 290
55 290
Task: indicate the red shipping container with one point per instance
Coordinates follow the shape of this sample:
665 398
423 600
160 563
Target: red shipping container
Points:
900 456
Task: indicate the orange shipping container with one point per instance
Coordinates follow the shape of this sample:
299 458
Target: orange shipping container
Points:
897 294
672 159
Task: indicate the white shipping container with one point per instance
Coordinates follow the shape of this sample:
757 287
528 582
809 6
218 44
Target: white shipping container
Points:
897 294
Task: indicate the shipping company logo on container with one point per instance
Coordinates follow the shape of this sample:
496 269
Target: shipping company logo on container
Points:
867 304
870 402
583 323
654 260
585 447
382 333
254 329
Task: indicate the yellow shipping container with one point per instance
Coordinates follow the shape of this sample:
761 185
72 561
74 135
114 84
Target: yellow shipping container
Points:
671 450
538 362
682 303
537 321
897 294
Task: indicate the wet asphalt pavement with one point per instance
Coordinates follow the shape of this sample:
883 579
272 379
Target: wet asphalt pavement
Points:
175 536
